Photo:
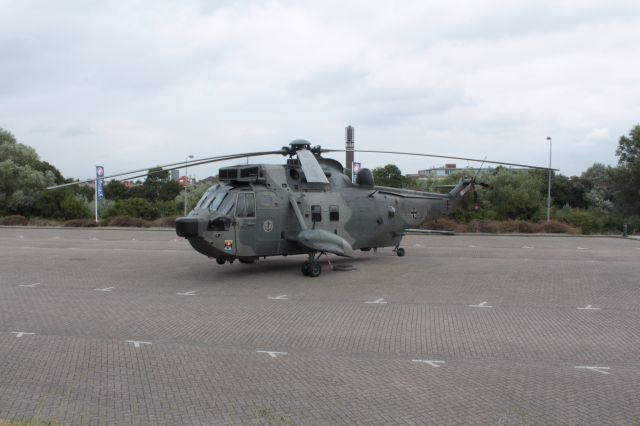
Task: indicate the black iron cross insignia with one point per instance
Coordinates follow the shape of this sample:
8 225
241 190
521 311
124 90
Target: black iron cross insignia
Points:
413 213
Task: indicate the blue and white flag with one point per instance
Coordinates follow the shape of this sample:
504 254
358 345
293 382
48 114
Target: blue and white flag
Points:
99 182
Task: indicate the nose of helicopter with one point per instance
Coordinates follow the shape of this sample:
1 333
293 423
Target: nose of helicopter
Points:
187 227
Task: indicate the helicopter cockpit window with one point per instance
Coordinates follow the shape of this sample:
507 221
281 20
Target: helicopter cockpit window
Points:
216 201
246 206
206 199
227 205
316 214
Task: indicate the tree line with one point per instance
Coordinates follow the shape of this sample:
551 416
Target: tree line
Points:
602 198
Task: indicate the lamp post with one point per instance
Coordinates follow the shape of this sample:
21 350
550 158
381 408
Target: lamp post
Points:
186 174
549 185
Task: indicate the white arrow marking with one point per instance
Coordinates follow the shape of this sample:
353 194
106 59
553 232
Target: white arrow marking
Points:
187 293
272 354
29 285
431 362
21 333
137 343
481 305
377 301
596 369
589 308
104 289
283 297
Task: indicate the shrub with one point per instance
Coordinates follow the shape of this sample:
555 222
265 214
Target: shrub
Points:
134 207
442 224
586 221
555 227
38 221
165 222
14 220
81 223
127 221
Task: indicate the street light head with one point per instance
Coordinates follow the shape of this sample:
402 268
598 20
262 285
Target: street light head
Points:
548 138
191 156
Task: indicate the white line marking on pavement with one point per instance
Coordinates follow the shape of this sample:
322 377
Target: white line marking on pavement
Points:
588 308
94 239
22 333
56 238
133 239
29 285
378 301
431 362
526 247
596 369
481 305
137 343
20 237
187 293
282 297
472 246
582 248
104 289
272 354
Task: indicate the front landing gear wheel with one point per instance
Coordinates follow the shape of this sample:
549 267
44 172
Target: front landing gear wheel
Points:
305 268
400 251
315 269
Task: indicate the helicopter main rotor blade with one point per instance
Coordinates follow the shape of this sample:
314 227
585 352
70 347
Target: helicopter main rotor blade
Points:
441 156
173 166
312 170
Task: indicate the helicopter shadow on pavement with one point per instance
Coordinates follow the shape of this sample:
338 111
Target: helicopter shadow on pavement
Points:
291 266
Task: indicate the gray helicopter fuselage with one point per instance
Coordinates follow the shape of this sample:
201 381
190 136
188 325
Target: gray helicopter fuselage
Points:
262 210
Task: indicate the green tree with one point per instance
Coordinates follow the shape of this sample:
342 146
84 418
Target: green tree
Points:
134 207
62 203
628 150
389 175
115 190
627 176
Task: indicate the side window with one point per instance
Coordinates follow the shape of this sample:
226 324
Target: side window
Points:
246 206
241 206
316 214
334 213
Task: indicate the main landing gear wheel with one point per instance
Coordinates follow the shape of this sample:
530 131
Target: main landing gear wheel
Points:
220 260
311 268
400 251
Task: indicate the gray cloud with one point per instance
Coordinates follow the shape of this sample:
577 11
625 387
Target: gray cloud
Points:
149 82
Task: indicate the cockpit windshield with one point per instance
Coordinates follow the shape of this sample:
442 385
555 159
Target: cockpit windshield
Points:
213 199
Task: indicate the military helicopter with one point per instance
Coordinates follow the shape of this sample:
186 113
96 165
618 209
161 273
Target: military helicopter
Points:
306 206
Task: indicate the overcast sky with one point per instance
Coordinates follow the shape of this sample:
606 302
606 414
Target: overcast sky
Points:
131 84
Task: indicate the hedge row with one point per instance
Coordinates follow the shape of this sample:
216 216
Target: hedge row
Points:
124 221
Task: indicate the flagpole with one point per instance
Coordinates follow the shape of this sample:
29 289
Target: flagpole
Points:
95 197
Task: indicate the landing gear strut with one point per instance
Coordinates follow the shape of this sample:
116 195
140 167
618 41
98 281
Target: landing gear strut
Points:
312 268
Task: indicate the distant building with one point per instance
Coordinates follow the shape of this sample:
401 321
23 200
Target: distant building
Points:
175 174
449 169
444 171
210 180
349 146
